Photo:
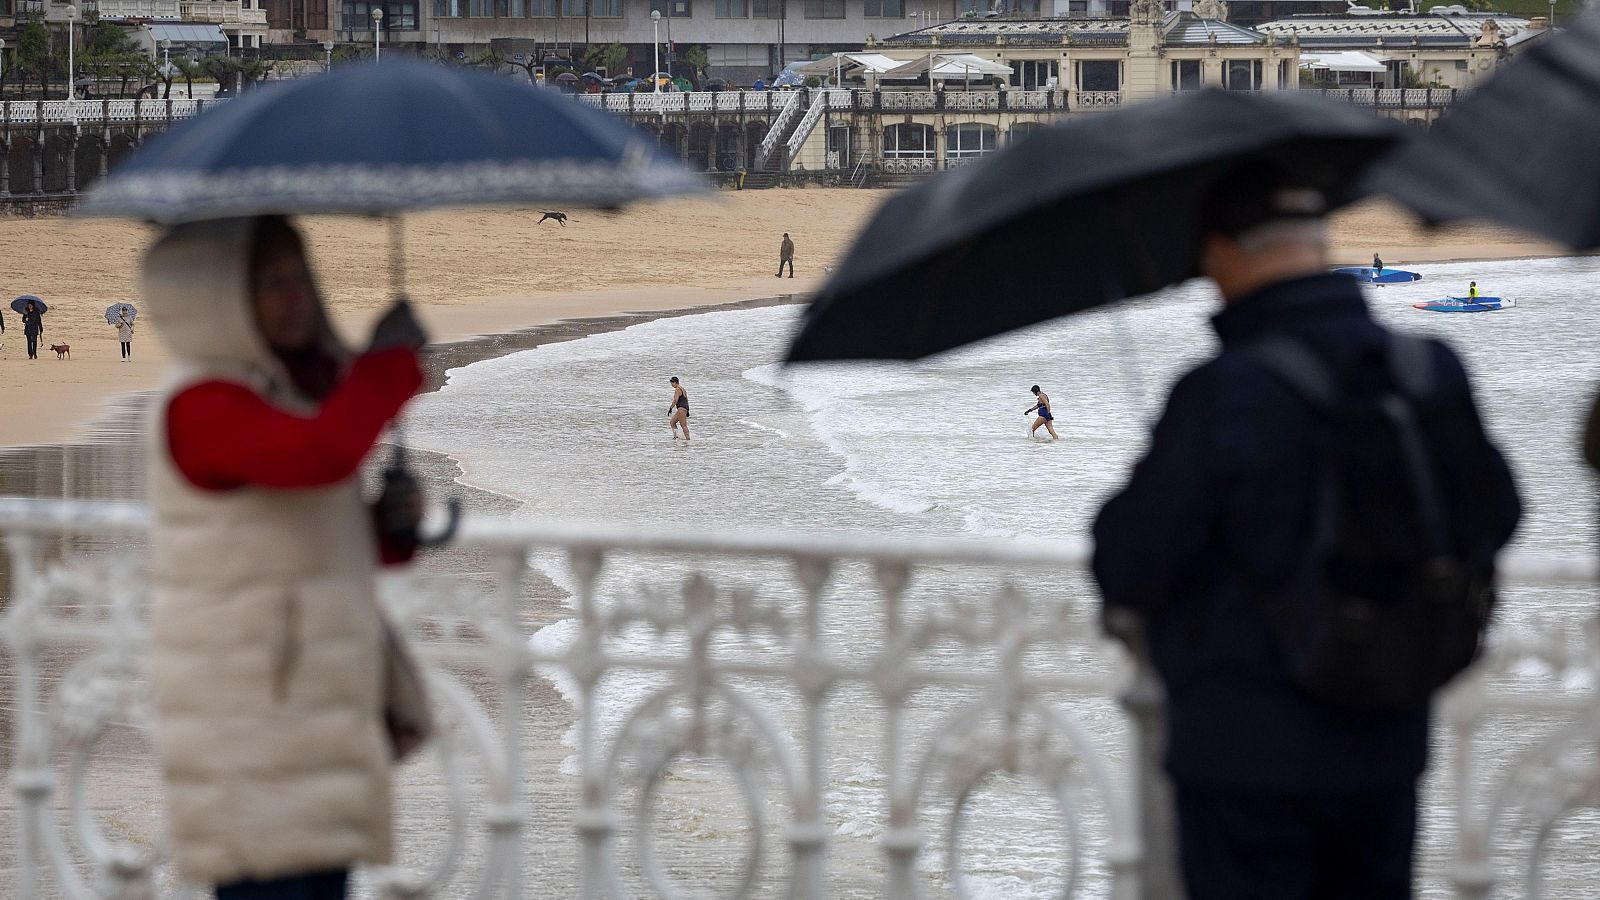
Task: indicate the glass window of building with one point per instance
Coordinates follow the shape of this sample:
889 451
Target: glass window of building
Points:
824 9
1186 75
677 9
733 9
968 139
1034 74
885 9
908 141
1242 75
1100 75
767 9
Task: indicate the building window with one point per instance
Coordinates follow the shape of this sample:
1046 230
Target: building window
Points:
1035 74
1242 75
1099 75
976 7
968 139
885 9
480 9
1022 130
1186 75
677 9
447 9
824 9
903 141
733 9
544 9
768 9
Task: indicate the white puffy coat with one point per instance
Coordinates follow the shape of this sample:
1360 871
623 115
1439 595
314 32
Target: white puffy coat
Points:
268 664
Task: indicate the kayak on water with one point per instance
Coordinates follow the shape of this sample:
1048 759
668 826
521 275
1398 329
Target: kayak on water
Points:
1369 275
1466 304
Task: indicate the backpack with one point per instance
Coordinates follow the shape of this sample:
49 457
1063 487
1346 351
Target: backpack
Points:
1383 609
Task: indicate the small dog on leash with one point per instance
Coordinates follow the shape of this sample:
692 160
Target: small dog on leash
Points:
560 217
63 351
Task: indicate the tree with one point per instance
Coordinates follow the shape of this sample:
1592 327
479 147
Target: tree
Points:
489 60
190 70
33 52
696 59
609 57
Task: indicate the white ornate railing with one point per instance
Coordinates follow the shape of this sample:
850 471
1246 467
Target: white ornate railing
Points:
780 126
90 112
1098 99
923 165
907 100
836 679
972 100
1028 99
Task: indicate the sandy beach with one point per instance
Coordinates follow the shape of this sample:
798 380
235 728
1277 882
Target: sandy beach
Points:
490 272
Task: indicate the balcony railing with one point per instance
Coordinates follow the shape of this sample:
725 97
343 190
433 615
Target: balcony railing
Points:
95 112
140 9
858 695
221 12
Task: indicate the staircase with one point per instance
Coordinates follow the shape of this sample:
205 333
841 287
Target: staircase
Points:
770 155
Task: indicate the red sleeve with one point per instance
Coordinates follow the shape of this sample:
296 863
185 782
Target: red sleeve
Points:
223 435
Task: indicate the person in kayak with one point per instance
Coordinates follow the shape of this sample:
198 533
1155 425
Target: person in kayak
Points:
678 412
1377 264
1472 291
1045 417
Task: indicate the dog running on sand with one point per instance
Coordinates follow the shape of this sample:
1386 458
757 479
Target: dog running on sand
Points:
560 217
63 351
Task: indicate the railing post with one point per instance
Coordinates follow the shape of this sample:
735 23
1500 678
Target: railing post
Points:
1144 700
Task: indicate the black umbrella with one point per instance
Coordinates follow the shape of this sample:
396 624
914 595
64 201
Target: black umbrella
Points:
1100 208
1520 150
21 303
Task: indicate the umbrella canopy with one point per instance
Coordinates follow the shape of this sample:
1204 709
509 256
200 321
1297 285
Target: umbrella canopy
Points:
116 311
1094 210
379 139
1520 149
567 77
22 302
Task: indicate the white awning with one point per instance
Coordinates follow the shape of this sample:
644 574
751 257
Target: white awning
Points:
1342 61
186 33
950 65
871 63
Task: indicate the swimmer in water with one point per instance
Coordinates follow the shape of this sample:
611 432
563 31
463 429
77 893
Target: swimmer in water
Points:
678 412
1045 417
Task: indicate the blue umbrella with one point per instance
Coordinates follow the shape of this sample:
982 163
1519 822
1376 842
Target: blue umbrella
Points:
22 302
382 139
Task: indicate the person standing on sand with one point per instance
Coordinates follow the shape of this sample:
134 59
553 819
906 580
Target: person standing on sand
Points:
125 334
32 328
1045 417
678 412
282 695
785 256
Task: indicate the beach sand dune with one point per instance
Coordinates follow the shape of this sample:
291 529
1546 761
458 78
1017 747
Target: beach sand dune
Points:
489 271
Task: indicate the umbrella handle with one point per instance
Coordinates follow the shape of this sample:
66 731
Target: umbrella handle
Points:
452 523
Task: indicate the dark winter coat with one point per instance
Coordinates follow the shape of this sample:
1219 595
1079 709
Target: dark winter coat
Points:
1218 511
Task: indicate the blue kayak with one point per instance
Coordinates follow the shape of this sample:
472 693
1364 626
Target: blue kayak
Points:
1369 275
1466 304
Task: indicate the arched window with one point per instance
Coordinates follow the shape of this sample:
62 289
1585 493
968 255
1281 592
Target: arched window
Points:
908 141
968 140
1021 131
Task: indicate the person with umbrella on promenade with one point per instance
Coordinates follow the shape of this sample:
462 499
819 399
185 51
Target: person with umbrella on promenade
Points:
121 316
282 695
1306 550
32 310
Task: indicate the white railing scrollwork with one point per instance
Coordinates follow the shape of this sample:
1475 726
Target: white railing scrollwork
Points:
907 100
808 710
909 166
780 127
590 99
972 100
1028 99
1098 99
91 112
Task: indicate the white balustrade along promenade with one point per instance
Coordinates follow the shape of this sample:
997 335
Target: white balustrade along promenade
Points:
855 700
99 112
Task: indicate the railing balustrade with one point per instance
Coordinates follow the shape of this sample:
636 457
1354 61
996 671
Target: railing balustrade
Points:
91 112
907 100
843 685
1098 99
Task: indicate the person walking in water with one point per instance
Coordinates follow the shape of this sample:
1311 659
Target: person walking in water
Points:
785 256
1046 418
125 334
678 412
32 328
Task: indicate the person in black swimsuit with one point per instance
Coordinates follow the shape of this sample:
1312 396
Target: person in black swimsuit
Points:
1046 418
678 412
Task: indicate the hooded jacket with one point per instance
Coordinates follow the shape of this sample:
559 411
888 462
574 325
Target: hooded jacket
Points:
268 664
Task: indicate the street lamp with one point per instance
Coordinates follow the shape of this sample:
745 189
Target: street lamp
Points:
71 13
166 56
2 60
327 50
377 34
1552 15
655 47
